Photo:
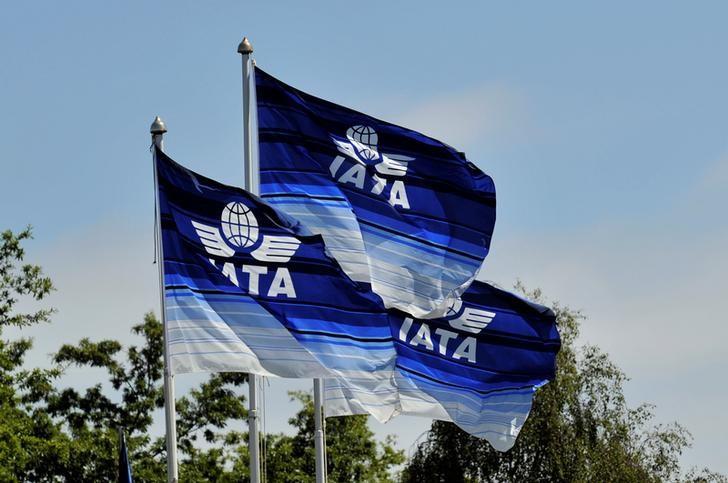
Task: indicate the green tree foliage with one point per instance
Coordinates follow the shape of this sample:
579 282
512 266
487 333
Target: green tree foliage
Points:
353 455
28 439
580 429
136 393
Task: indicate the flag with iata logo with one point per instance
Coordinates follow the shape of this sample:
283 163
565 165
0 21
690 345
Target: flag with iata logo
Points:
248 289
478 366
399 210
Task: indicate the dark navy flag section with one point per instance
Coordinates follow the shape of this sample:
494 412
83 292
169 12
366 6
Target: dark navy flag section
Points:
247 289
400 210
478 366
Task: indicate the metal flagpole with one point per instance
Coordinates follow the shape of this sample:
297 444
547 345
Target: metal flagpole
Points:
252 181
319 442
157 130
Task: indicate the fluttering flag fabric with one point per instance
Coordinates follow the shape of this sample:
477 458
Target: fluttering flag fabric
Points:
249 289
478 366
399 210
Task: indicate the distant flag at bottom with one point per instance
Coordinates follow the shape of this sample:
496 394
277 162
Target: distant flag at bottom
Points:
124 465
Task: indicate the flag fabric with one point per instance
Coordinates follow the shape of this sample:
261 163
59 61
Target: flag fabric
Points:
124 465
478 366
249 289
399 210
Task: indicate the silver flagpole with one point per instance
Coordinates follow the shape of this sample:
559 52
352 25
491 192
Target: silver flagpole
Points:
252 181
319 441
157 130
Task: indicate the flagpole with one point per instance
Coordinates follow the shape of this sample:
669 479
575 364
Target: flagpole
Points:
319 442
157 130
252 181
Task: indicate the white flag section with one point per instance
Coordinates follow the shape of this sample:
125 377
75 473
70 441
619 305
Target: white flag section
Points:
498 417
478 367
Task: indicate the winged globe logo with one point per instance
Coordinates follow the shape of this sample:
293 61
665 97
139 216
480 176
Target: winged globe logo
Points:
239 225
364 139
458 344
241 233
360 147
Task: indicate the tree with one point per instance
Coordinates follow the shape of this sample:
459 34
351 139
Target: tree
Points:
24 435
91 418
353 455
580 429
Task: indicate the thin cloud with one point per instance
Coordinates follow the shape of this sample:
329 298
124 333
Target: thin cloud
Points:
470 117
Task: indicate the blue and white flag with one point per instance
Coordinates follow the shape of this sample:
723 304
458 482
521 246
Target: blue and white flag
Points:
399 210
248 289
478 366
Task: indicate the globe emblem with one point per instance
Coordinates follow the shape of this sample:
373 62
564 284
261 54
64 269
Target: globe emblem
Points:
239 225
364 139
454 308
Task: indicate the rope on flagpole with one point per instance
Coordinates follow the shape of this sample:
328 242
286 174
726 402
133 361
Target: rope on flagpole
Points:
157 130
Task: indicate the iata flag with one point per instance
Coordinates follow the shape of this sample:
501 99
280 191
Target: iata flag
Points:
478 366
400 210
247 289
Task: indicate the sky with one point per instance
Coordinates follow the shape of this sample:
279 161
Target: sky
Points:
604 126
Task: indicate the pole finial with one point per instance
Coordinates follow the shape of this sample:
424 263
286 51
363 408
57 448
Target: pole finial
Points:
158 126
245 47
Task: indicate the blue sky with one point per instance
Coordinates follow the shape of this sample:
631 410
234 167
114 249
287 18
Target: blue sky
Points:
604 126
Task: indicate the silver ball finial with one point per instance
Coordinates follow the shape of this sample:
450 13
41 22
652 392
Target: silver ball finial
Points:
158 126
245 47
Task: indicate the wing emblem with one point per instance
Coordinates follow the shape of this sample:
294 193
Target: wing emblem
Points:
361 146
472 320
212 240
276 249
273 248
